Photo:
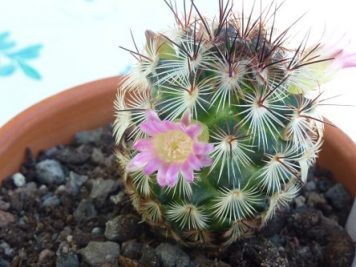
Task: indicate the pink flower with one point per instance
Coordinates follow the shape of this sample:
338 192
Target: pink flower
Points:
172 148
341 59
329 59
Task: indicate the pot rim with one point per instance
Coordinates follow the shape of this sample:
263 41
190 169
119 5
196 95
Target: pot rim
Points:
57 118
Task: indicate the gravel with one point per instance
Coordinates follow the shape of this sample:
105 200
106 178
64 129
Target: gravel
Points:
132 249
19 179
85 211
50 172
123 227
172 255
75 182
50 201
6 218
68 260
88 137
71 210
98 253
102 188
338 197
149 257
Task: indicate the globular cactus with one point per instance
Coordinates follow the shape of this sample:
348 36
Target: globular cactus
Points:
213 125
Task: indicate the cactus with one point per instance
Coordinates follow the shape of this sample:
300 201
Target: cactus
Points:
214 128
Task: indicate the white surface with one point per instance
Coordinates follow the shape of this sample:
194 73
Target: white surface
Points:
80 41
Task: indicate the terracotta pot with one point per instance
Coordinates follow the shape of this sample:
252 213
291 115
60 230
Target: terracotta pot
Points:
55 120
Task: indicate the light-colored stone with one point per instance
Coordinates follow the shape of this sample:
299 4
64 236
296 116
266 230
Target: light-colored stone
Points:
98 253
172 256
101 188
50 172
19 179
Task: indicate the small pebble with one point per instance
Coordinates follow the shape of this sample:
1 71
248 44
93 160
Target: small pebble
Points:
88 137
299 201
76 156
27 191
172 255
149 257
324 184
303 252
110 162
61 189
314 199
69 238
116 199
43 189
50 201
85 211
45 255
101 188
7 250
310 186
68 260
338 197
6 218
75 182
98 253
4 205
51 152
97 156
19 179
258 251
206 262
123 227
63 248
50 172
127 262
131 249
97 231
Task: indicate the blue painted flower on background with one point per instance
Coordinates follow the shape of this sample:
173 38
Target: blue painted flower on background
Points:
13 58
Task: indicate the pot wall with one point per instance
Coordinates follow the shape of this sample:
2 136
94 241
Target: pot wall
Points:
55 120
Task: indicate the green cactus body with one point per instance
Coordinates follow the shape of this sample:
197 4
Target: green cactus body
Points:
243 87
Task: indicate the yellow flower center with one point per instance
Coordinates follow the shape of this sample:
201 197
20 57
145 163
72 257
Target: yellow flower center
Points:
173 146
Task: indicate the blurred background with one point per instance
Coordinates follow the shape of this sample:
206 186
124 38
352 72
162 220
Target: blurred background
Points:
49 46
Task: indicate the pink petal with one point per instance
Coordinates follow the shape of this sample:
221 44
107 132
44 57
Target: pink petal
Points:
152 166
143 144
194 162
172 175
193 130
340 58
152 115
139 161
205 161
186 118
201 148
168 125
161 176
187 173
151 127
348 61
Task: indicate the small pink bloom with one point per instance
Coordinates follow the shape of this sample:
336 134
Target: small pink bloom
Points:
341 59
173 148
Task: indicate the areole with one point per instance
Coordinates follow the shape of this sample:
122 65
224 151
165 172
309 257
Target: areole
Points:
56 119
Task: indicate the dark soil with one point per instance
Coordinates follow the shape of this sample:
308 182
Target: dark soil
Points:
67 208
